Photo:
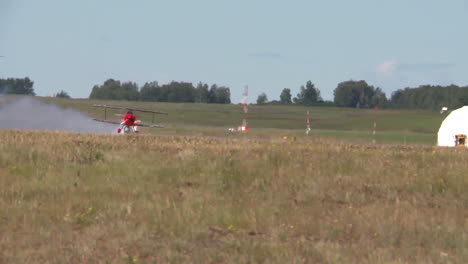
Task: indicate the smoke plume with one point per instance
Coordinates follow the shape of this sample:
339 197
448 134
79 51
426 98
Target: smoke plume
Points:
27 113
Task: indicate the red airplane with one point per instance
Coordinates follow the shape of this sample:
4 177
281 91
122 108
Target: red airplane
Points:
129 123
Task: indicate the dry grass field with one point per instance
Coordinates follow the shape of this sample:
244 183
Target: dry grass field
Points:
88 198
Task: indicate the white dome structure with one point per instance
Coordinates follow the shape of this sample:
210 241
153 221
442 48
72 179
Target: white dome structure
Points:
454 129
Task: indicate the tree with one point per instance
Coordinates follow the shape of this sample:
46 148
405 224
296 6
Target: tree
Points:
128 91
379 98
212 94
223 95
150 92
219 95
262 99
180 92
17 86
109 90
202 93
114 90
285 97
308 95
62 94
358 94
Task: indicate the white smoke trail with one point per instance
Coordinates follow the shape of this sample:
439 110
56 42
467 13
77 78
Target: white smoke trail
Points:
27 113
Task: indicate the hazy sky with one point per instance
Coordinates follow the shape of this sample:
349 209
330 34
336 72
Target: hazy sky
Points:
266 44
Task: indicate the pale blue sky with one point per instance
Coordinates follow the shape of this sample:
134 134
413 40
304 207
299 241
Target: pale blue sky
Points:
267 45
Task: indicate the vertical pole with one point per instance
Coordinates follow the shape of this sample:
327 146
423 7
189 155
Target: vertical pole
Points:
245 105
308 123
374 131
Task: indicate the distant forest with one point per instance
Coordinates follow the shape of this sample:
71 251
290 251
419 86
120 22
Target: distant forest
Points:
181 92
355 94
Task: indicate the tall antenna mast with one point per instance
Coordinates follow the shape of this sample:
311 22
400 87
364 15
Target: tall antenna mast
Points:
245 106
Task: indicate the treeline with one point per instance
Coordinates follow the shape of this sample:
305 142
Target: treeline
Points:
308 95
356 94
183 92
359 94
347 94
17 86
430 97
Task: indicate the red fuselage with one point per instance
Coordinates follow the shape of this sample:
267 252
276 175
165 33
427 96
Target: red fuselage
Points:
129 120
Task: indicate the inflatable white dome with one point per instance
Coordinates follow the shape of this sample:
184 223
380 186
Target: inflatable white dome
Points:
454 129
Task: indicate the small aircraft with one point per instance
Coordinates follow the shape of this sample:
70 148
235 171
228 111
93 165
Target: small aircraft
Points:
128 124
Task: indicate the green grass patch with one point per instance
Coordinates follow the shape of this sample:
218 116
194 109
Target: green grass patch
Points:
393 126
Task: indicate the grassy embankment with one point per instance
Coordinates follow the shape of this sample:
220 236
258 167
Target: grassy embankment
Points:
80 198
352 125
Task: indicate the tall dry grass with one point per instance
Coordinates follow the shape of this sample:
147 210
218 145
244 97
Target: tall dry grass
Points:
82 198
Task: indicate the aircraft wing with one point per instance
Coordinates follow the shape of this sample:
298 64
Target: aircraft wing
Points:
136 124
128 108
149 125
107 121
